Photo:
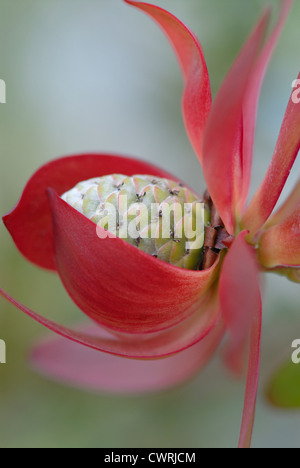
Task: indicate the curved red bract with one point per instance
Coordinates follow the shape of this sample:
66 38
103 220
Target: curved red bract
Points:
116 284
68 362
197 93
30 223
286 151
223 155
251 101
241 305
147 346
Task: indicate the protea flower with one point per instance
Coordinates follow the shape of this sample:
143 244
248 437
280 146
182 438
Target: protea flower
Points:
144 308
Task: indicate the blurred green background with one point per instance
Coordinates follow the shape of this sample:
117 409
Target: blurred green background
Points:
96 75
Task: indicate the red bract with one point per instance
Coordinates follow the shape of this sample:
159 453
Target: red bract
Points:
141 307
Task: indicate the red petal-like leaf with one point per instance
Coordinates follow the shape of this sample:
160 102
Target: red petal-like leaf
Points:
251 100
150 346
70 363
118 285
222 163
280 245
197 93
282 162
252 380
240 301
30 223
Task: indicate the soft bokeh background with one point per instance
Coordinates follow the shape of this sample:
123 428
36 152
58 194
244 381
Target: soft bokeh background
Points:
96 75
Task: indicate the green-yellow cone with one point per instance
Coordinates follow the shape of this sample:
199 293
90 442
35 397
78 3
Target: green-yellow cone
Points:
156 215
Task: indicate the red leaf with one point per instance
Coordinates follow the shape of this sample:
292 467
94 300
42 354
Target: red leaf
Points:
252 380
197 93
282 162
118 285
251 100
66 361
222 163
147 346
280 245
30 223
240 301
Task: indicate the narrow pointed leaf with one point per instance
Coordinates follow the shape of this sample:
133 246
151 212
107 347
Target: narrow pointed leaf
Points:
240 301
252 97
252 380
197 93
30 223
222 162
150 346
287 148
70 363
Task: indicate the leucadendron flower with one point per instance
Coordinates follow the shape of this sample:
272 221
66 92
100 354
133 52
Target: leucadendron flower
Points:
145 308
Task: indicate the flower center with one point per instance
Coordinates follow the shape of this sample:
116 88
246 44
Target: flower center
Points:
216 236
158 216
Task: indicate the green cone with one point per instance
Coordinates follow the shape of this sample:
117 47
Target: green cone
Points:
157 216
